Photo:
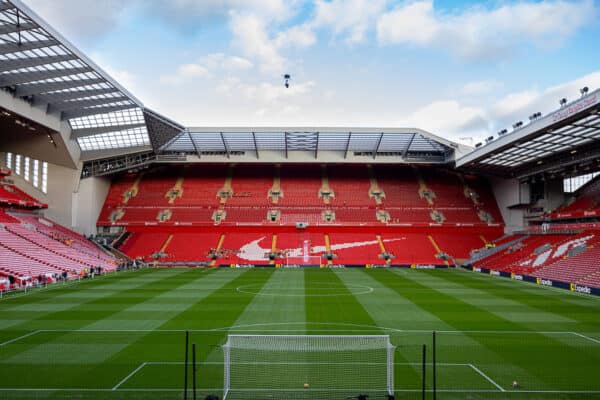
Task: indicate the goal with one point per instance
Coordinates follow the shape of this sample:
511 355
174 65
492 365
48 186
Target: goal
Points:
297 261
308 366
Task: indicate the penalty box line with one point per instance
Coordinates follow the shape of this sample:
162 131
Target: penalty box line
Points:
19 338
234 329
214 330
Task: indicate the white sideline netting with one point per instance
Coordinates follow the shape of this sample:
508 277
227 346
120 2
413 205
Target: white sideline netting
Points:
333 366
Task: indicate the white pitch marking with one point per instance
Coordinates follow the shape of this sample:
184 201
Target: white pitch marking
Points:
487 378
586 337
19 338
372 327
298 363
220 389
142 365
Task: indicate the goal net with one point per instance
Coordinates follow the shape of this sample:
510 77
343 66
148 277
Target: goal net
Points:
307 366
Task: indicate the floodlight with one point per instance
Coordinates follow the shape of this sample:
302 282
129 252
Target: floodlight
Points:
535 116
563 101
479 145
502 132
584 90
517 124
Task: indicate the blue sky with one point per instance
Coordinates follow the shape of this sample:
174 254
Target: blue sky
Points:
460 69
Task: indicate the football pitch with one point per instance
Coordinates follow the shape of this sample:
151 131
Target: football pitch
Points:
122 336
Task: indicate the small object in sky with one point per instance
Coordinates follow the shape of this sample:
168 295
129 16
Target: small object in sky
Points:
287 78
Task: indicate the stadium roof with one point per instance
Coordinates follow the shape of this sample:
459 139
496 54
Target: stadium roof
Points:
408 143
565 138
40 66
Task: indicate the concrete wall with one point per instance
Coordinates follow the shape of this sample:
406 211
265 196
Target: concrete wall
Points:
554 195
72 203
87 203
509 192
62 182
64 151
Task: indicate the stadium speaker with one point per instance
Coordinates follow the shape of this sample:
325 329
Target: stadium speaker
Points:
301 225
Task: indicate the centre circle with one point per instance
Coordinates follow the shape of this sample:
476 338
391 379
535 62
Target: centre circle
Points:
310 291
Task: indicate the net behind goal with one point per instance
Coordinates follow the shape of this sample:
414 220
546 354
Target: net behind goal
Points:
308 366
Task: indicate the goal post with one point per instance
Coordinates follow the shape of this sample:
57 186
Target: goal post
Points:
308 366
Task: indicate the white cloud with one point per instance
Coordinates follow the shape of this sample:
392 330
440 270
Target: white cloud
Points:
413 23
128 79
217 62
296 36
176 12
253 39
263 93
349 19
453 119
186 72
207 67
91 19
518 106
193 71
481 87
84 20
479 33
449 118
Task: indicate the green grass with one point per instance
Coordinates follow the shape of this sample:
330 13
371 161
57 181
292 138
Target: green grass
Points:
126 331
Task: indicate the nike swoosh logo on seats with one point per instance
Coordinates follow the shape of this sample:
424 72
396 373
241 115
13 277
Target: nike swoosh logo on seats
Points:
254 252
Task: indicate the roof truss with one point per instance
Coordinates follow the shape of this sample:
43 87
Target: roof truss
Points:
41 66
402 143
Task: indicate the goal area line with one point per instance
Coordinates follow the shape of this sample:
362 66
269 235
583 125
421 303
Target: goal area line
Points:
469 365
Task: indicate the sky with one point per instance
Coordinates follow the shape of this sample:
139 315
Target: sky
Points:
460 69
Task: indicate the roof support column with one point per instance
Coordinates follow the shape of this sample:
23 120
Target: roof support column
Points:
347 145
224 144
255 146
193 143
378 144
405 152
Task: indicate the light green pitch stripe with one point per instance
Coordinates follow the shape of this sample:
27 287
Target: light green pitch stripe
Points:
519 312
119 320
398 312
509 309
166 305
278 305
73 298
386 307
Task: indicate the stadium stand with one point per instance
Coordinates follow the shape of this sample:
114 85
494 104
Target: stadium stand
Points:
305 194
33 246
10 195
585 204
270 199
222 196
559 257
